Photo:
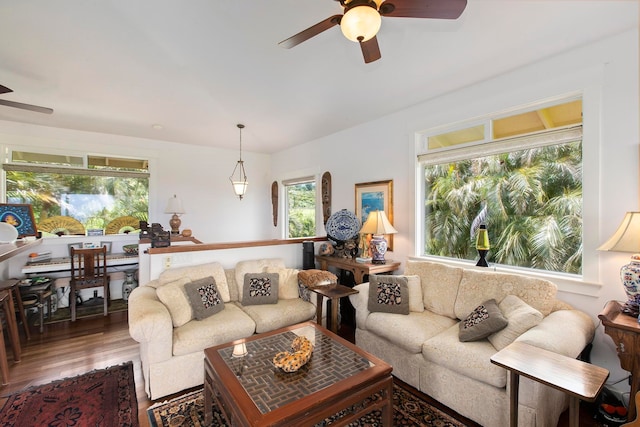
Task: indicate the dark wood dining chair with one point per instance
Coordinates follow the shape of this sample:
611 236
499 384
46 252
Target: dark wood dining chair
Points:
88 270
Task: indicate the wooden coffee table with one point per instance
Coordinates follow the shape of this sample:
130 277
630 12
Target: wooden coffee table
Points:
340 381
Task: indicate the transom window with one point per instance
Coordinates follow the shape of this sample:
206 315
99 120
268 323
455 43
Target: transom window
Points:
520 175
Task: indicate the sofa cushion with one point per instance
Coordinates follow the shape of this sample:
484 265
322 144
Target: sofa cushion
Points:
439 285
521 317
173 296
408 332
388 294
195 272
285 312
471 359
483 321
260 288
229 324
478 286
415 294
254 266
287 282
204 297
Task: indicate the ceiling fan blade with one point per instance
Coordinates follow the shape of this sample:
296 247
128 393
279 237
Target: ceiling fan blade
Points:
4 89
312 31
29 107
439 9
370 50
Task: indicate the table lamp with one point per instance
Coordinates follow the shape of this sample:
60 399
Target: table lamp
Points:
378 225
627 239
174 206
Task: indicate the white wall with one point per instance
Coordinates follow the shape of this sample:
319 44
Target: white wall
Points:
605 73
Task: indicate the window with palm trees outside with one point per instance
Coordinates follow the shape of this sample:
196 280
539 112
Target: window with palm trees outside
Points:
301 207
524 184
93 190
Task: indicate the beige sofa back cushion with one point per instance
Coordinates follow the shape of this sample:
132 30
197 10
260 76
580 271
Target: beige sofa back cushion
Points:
439 285
477 286
195 272
254 266
288 283
171 293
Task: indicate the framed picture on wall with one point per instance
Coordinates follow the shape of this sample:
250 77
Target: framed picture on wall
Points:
20 216
375 196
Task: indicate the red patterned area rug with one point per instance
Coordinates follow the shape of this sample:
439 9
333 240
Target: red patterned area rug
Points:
104 397
409 409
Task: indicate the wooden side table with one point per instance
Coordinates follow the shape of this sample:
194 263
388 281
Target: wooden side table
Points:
359 269
578 379
334 294
624 330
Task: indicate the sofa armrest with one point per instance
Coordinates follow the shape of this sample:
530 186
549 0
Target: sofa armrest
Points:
360 302
565 332
150 324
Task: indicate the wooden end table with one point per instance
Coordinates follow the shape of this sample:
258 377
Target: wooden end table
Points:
340 381
358 269
334 293
578 379
624 330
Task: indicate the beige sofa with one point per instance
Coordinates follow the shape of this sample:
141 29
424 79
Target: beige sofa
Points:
172 340
425 349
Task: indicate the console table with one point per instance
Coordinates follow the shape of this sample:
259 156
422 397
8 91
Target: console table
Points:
624 330
359 269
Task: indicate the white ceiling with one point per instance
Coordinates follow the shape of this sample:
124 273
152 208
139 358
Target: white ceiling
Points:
199 67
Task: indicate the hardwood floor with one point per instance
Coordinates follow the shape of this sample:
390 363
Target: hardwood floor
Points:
67 349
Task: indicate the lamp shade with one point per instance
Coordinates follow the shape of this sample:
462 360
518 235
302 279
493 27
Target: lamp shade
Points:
627 236
174 206
377 223
239 187
361 23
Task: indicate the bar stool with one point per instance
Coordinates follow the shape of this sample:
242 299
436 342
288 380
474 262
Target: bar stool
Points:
11 285
6 303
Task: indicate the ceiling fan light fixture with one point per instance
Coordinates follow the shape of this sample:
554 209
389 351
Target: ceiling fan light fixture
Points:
361 23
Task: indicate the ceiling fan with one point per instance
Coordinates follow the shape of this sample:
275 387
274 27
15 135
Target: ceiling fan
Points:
362 18
36 108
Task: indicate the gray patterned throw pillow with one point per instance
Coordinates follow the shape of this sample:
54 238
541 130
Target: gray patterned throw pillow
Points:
484 320
204 297
388 294
260 288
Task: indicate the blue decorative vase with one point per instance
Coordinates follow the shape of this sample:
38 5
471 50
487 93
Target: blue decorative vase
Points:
630 276
379 248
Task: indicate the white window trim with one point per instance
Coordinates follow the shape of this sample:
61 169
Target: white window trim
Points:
284 205
589 284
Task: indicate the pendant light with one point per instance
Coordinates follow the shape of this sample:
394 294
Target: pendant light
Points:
239 180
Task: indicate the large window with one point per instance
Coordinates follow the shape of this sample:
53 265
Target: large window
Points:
523 182
300 197
94 190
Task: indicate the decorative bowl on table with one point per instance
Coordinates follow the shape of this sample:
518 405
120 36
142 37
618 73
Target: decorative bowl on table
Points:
130 249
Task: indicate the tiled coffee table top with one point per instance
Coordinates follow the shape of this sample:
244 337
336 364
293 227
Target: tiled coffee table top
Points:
271 388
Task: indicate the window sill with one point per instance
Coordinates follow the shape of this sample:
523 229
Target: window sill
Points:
566 283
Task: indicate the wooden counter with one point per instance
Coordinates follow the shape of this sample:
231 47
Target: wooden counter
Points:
9 250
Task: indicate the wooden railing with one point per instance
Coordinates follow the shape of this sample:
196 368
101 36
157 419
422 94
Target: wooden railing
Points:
230 245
